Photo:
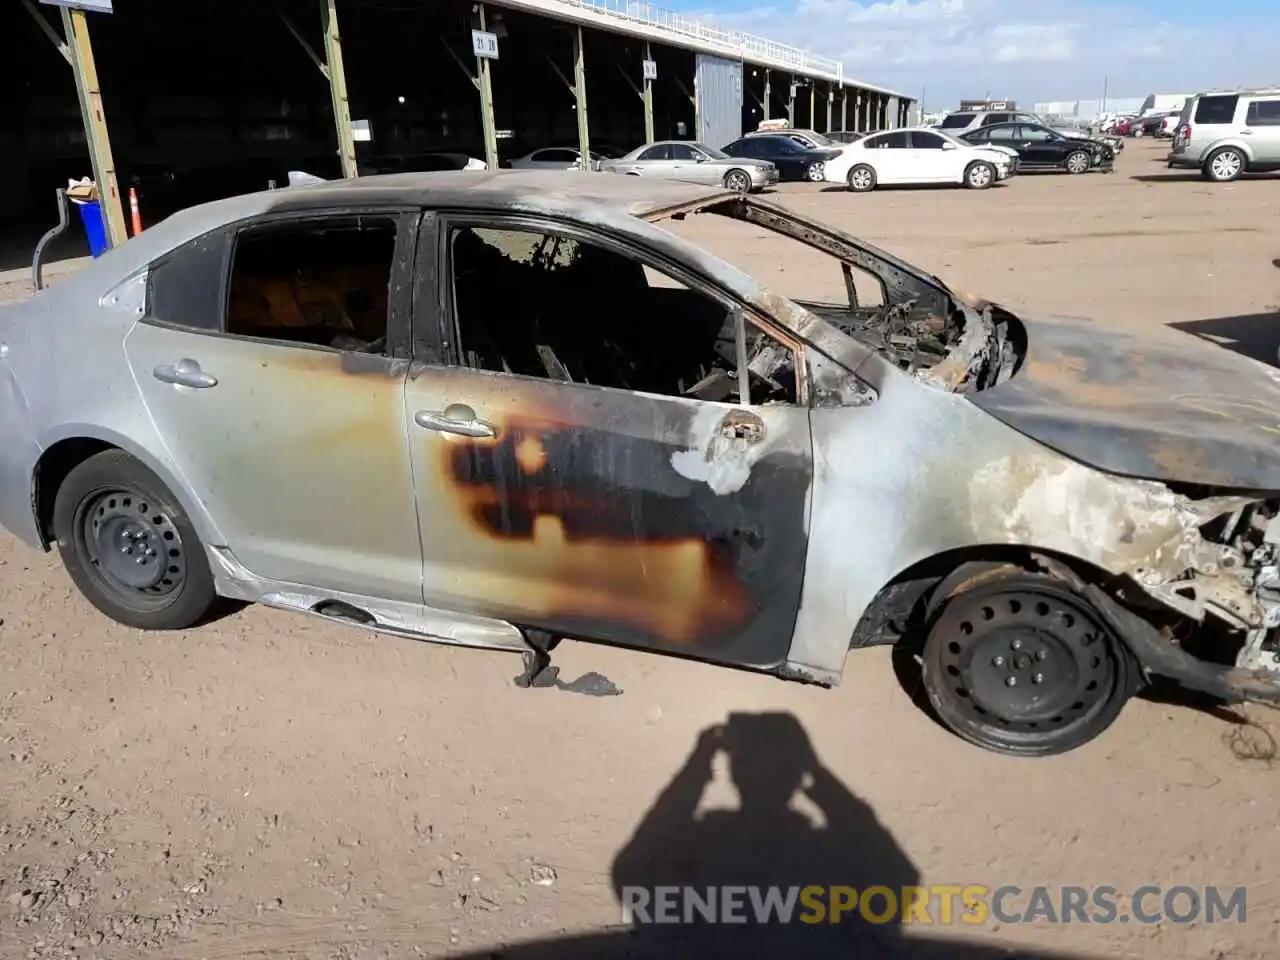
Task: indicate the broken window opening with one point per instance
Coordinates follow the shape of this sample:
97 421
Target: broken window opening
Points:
913 323
323 285
541 304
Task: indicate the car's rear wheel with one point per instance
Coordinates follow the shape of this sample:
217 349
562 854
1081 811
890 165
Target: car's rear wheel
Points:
1225 165
1078 162
129 547
862 178
979 175
739 181
814 172
1024 665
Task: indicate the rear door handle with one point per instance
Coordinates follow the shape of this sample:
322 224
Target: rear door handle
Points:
458 419
184 373
1246 133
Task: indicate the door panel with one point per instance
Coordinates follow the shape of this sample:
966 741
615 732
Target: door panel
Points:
652 521
300 455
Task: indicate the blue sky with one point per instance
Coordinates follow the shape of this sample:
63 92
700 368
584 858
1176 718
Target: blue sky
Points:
1023 49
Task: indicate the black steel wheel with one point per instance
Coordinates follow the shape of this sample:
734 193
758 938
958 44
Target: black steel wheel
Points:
1023 665
129 547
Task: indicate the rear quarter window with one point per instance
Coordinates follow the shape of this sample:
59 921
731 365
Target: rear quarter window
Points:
187 286
1263 113
1216 109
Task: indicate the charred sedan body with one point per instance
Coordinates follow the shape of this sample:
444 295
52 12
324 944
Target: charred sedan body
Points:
454 406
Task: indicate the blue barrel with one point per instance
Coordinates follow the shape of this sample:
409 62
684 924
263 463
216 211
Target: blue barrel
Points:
95 228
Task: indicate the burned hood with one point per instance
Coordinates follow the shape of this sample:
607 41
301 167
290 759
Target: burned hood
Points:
1162 405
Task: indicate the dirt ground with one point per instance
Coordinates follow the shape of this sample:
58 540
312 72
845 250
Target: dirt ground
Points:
277 787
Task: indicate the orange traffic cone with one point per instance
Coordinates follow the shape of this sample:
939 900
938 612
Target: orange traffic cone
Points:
133 209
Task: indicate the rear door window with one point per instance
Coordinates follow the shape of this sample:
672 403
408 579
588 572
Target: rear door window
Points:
1217 109
1263 113
956 121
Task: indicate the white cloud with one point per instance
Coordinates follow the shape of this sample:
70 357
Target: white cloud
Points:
1051 50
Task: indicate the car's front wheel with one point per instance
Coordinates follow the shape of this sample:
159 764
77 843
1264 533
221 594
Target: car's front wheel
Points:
738 181
862 178
1078 162
1224 165
1022 664
979 175
129 547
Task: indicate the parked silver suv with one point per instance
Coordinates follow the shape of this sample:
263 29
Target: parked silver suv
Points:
1225 134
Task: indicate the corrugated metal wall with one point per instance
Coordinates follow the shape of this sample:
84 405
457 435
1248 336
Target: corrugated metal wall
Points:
718 87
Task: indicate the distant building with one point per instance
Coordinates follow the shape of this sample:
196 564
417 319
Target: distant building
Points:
1088 109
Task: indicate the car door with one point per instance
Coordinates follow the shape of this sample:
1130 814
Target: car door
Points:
562 485
1262 130
891 157
690 164
933 158
654 162
1043 147
258 358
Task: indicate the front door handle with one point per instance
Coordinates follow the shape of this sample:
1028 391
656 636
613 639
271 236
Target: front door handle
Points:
184 373
458 419
1246 133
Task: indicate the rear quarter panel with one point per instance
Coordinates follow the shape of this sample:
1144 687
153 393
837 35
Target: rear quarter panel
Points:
68 358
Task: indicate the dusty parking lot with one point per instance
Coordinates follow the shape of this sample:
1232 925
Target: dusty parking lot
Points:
276 787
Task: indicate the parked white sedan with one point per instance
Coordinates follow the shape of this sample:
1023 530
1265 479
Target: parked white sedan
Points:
918 155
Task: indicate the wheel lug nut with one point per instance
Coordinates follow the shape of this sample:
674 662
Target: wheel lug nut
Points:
998 662
142 561
126 549
151 552
1038 678
1016 644
1011 682
1042 654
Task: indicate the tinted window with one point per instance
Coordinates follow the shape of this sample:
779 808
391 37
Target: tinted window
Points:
977 136
661 152
1004 133
892 141
743 148
991 118
1264 113
186 287
780 145
1217 109
682 151
956 120
927 141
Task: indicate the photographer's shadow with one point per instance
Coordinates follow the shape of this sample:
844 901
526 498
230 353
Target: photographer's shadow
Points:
769 841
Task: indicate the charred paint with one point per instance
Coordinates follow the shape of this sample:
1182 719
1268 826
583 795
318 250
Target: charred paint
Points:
573 519
1143 405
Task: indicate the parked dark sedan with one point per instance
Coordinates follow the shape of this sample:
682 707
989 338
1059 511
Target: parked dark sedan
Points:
793 161
1043 148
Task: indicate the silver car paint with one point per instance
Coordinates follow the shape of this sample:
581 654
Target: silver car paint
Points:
710 171
881 498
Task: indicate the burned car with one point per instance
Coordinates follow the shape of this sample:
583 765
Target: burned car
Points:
499 409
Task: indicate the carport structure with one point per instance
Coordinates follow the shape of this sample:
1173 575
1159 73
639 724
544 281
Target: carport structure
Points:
322 85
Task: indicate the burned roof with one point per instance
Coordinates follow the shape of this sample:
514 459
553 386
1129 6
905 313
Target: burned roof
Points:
644 197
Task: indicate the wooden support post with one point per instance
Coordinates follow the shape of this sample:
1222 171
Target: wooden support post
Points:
76 29
338 87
